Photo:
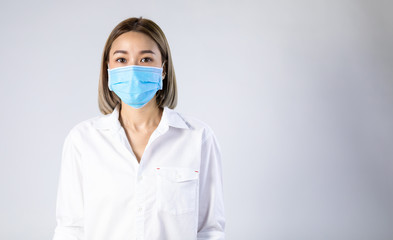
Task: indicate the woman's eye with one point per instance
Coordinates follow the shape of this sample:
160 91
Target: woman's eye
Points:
146 59
121 60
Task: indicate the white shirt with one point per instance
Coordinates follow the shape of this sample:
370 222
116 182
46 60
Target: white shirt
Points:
174 193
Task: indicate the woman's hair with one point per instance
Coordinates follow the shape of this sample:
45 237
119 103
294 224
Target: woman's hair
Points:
107 100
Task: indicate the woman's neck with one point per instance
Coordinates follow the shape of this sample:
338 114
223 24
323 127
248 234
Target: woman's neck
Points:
141 119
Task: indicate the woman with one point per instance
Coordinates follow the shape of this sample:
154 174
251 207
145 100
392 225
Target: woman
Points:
141 170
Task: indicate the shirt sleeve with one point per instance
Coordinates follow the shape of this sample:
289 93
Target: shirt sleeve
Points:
211 218
69 205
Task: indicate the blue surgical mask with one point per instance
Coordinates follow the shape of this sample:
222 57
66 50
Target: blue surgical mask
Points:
135 85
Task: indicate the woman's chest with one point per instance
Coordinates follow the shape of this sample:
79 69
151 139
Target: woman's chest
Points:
167 176
138 142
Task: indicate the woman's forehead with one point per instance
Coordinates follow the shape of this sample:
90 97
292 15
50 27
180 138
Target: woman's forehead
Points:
133 41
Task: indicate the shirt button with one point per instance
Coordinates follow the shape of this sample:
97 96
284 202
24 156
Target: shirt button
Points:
139 209
140 178
178 176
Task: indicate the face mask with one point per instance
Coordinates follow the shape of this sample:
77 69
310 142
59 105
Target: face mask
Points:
135 85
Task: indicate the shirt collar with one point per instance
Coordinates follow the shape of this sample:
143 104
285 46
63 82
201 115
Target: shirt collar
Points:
169 118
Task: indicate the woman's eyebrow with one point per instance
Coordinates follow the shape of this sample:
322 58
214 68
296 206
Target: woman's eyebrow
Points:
141 52
147 51
120 51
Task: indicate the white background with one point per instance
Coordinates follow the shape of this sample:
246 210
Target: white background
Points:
299 94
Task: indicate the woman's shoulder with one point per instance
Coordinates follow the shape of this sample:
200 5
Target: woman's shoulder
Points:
108 121
87 125
196 123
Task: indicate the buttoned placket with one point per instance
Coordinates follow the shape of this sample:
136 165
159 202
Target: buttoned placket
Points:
139 183
140 214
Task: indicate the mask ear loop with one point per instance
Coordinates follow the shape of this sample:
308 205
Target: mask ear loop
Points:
109 80
163 69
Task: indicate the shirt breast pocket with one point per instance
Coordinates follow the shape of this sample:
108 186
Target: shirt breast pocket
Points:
177 190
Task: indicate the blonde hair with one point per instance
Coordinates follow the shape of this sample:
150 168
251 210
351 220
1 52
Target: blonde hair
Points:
167 96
